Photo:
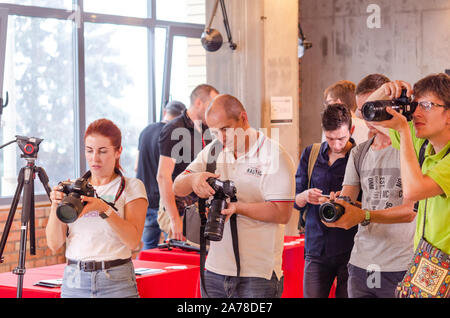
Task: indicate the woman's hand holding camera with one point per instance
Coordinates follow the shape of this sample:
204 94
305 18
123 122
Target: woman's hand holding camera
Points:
56 195
93 204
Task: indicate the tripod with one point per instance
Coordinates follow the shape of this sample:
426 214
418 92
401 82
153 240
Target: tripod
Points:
27 174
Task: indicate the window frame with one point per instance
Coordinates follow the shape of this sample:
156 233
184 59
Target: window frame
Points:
80 17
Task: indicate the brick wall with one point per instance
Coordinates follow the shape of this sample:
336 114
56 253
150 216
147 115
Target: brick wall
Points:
44 255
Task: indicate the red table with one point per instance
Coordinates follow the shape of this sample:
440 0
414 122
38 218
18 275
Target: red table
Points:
172 283
292 262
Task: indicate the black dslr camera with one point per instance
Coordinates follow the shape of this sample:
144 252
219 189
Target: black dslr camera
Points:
331 211
216 220
376 110
71 206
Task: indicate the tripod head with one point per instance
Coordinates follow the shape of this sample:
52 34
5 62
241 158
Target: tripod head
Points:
28 145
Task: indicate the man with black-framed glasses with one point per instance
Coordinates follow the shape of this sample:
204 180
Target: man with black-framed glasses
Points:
429 184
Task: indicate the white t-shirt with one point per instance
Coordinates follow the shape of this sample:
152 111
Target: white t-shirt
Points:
90 237
265 173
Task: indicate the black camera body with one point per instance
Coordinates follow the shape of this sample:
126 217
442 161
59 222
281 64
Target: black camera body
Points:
331 211
376 110
216 220
71 205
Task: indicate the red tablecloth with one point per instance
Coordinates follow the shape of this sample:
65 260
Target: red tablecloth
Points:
172 283
292 262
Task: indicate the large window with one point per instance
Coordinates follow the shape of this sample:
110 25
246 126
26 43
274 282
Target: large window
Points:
71 62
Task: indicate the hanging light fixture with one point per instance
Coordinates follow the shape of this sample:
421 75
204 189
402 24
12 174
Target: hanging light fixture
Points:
211 38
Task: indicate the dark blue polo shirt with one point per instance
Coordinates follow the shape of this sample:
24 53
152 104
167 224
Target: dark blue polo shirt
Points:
321 240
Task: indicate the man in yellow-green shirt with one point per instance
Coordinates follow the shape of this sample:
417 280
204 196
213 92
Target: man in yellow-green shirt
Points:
429 184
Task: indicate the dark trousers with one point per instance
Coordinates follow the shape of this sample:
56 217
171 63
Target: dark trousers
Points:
320 272
364 283
152 232
220 286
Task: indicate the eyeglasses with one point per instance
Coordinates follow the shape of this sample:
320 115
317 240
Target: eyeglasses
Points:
426 106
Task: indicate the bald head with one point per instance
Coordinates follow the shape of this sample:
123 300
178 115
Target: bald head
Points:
228 104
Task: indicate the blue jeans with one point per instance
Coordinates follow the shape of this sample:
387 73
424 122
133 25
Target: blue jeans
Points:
372 284
220 286
115 282
320 272
152 232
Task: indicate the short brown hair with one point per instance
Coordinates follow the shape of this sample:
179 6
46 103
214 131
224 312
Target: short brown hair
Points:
336 115
345 91
437 84
371 83
202 91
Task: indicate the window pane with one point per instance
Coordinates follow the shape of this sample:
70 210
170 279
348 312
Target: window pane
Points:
188 68
160 50
190 11
39 79
117 82
58 4
134 8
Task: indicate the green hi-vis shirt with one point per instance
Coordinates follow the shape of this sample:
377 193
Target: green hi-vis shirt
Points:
437 224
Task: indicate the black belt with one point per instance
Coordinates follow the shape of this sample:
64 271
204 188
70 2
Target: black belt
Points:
92 266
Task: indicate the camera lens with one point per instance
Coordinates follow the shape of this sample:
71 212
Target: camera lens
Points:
69 209
216 220
331 212
376 111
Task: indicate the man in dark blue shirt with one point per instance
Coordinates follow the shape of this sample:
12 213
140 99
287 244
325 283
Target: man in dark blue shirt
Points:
147 168
327 250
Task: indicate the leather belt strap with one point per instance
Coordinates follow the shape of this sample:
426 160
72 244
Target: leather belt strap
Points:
92 266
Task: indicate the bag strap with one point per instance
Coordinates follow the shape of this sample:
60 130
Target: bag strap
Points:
421 160
312 160
315 149
362 151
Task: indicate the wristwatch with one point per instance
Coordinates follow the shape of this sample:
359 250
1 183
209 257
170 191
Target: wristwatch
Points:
366 219
106 214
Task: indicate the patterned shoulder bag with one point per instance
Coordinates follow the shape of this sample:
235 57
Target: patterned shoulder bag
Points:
428 274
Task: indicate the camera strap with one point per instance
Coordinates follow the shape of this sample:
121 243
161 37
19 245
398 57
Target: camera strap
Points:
211 163
88 174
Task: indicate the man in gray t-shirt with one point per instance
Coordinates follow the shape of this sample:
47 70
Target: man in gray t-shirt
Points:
383 247
387 247
383 244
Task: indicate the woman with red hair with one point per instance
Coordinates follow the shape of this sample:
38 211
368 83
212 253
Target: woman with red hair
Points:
100 241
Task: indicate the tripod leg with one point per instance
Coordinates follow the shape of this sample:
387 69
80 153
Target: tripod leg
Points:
32 222
26 212
12 212
44 180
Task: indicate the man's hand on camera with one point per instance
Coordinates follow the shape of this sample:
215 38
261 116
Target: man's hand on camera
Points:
201 187
390 90
352 216
230 210
397 122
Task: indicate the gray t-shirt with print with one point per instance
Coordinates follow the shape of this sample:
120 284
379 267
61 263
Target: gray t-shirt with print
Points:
383 247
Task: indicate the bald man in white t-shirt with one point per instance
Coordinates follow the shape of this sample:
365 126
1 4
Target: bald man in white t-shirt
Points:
263 174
